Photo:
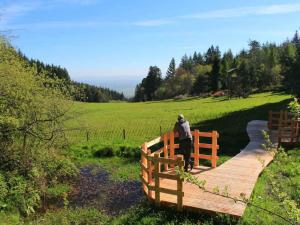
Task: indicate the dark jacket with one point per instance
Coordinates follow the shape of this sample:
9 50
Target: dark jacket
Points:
183 128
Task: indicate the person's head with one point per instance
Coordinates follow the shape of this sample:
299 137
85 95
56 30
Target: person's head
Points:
180 117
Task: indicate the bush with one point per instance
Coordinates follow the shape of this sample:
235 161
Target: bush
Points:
129 152
104 152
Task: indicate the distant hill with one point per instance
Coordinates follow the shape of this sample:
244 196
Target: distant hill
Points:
81 91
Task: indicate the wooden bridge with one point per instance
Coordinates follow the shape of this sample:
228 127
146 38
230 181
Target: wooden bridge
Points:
238 175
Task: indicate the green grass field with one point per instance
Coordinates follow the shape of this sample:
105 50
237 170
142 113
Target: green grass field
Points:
142 121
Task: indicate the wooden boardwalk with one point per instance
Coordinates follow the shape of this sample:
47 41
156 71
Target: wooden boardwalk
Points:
239 174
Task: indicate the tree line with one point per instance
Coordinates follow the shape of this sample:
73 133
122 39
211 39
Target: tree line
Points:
80 91
261 67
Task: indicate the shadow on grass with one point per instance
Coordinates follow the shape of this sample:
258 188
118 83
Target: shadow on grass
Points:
232 127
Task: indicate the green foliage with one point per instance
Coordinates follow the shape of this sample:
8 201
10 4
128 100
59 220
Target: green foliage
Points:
294 107
171 70
277 189
263 67
58 190
104 152
33 109
77 216
129 152
146 90
145 213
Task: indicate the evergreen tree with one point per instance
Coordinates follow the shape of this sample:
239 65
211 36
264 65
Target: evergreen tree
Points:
186 63
171 70
215 73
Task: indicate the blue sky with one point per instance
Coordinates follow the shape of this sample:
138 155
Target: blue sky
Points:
113 43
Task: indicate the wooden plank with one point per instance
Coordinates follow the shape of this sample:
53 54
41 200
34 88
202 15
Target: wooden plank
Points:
166 155
159 151
168 191
270 120
196 147
172 148
144 163
205 134
154 142
156 179
208 146
163 160
149 167
202 156
167 176
180 186
214 149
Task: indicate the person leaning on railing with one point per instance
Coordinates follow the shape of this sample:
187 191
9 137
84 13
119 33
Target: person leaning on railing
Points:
182 126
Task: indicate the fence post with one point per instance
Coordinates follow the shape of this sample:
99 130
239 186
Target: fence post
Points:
87 136
172 147
144 162
156 178
180 184
149 167
124 134
214 149
196 147
166 155
270 120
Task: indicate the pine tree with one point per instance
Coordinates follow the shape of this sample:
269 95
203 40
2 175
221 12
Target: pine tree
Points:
171 70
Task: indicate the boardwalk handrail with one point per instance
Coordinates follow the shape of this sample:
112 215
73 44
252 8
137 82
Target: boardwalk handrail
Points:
152 162
286 125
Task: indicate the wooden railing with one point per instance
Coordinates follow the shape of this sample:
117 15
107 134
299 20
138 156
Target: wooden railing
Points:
160 164
276 119
287 125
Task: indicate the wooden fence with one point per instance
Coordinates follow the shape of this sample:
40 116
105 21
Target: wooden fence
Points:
287 125
160 164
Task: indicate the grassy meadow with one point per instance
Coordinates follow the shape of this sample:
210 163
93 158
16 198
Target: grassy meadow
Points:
143 121
104 123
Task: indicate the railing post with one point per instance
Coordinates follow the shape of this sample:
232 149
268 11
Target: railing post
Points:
149 167
214 149
196 147
270 120
156 178
180 184
172 147
144 163
166 155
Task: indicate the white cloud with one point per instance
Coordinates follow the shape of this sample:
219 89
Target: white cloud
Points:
10 11
246 11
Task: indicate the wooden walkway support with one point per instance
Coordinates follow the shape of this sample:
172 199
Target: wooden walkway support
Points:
237 175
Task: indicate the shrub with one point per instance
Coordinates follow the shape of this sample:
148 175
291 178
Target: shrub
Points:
104 152
129 152
76 216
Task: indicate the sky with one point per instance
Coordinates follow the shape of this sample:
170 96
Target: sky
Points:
113 42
